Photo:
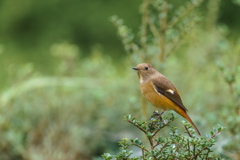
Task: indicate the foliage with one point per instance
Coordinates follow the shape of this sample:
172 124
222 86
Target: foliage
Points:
64 116
232 148
177 146
159 35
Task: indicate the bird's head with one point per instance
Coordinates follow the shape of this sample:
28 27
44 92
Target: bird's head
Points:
144 70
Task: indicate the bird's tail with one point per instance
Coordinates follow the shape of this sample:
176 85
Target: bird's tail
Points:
185 115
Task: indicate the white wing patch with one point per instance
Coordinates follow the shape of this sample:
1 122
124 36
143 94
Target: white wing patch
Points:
171 91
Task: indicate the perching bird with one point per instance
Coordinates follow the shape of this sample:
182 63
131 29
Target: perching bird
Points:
160 92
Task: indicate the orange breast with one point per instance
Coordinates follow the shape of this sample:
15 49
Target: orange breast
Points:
156 99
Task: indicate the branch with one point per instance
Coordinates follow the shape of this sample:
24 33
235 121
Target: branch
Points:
180 146
206 146
175 45
188 131
152 147
207 153
151 143
140 147
160 128
194 149
156 145
199 152
163 147
143 153
160 115
214 135
183 14
175 156
137 126
153 28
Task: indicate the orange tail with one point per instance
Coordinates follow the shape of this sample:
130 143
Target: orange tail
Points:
185 115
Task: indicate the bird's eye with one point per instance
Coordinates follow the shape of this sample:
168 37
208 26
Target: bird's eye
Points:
146 68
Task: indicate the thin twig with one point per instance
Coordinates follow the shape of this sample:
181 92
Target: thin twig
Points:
195 156
151 143
176 45
153 28
207 153
188 131
156 145
137 126
201 157
175 156
143 153
160 128
194 148
159 116
152 147
180 40
188 148
163 147
183 14
140 147
214 135
180 146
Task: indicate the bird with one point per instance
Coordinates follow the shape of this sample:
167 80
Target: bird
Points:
160 92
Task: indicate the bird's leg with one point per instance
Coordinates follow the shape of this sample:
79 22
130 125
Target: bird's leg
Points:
160 115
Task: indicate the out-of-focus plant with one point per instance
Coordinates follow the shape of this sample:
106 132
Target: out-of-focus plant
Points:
231 111
177 146
66 116
161 31
68 54
22 73
212 15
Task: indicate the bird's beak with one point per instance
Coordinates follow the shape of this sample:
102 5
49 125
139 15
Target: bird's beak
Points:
135 68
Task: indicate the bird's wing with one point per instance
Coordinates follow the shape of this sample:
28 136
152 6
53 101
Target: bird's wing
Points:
167 89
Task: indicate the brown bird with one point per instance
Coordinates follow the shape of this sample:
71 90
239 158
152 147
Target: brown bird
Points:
160 92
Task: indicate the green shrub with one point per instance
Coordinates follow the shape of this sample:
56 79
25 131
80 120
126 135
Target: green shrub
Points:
176 146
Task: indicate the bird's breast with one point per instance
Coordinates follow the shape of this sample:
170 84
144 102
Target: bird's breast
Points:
156 99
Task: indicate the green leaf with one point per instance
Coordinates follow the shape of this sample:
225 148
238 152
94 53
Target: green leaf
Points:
214 129
212 133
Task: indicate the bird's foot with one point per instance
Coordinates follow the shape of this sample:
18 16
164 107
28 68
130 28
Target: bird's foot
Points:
160 116
155 113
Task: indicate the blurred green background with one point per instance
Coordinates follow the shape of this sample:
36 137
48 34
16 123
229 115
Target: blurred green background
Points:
66 81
